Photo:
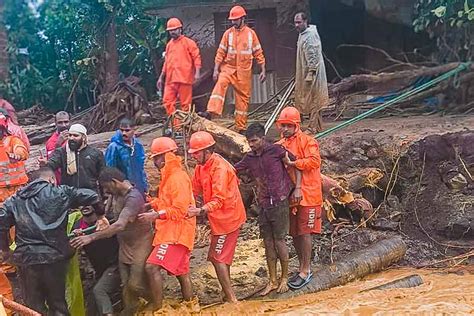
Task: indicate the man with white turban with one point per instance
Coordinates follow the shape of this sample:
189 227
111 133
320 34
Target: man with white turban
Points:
80 164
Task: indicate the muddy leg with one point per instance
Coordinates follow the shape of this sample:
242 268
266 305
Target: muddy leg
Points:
223 274
186 286
271 256
155 279
297 245
282 252
305 261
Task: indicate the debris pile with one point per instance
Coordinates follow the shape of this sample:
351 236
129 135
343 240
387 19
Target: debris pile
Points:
126 99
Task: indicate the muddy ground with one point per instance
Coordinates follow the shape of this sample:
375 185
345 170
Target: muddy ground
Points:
427 162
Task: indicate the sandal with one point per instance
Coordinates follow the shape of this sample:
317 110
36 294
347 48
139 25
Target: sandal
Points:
299 282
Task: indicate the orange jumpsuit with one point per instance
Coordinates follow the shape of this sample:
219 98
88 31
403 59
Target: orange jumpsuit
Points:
308 160
12 173
175 195
12 176
216 180
181 60
236 51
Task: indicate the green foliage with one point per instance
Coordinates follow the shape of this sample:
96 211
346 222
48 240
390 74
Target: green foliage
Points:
64 40
451 23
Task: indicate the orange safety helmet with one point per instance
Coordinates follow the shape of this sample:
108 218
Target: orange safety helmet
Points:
236 12
173 24
199 141
162 145
289 115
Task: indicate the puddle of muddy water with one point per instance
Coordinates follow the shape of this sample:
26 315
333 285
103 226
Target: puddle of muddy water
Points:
443 292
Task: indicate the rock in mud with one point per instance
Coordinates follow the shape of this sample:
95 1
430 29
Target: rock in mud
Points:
261 272
373 153
385 224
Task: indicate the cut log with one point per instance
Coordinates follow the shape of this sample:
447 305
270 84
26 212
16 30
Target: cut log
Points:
372 259
229 143
363 178
413 280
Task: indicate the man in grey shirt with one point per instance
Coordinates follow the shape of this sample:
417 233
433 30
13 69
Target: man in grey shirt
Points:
134 236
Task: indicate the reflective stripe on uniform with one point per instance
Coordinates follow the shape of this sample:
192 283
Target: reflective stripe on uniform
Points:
250 41
257 47
216 96
222 47
4 170
230 42
240 113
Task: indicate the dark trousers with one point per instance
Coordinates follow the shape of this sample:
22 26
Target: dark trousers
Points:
44 287
106 286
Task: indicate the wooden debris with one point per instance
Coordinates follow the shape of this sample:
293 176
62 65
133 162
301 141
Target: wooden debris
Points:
372 259
363 178
126 100
363 82
33 115
203 236
413 280
229 143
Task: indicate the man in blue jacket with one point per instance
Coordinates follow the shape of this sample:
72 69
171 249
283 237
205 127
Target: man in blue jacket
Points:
126 153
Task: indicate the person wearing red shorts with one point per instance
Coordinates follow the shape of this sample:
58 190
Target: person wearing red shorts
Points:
174 231
216 180
305 216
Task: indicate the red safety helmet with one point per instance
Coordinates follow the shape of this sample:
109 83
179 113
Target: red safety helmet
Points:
162 145
173 24
289 115
236 12
199 141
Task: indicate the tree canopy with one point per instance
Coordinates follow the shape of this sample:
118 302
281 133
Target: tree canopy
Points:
451 23
57 49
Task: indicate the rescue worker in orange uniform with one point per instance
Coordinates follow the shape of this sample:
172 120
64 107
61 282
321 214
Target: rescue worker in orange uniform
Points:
13 153
233 65
174 230
305 217
216 180
181 68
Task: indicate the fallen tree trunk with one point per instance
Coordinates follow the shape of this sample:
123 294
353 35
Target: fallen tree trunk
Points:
230 143
365 81
372 259
39 134
413 280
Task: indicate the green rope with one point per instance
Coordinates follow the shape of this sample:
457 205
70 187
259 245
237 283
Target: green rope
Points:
461 67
